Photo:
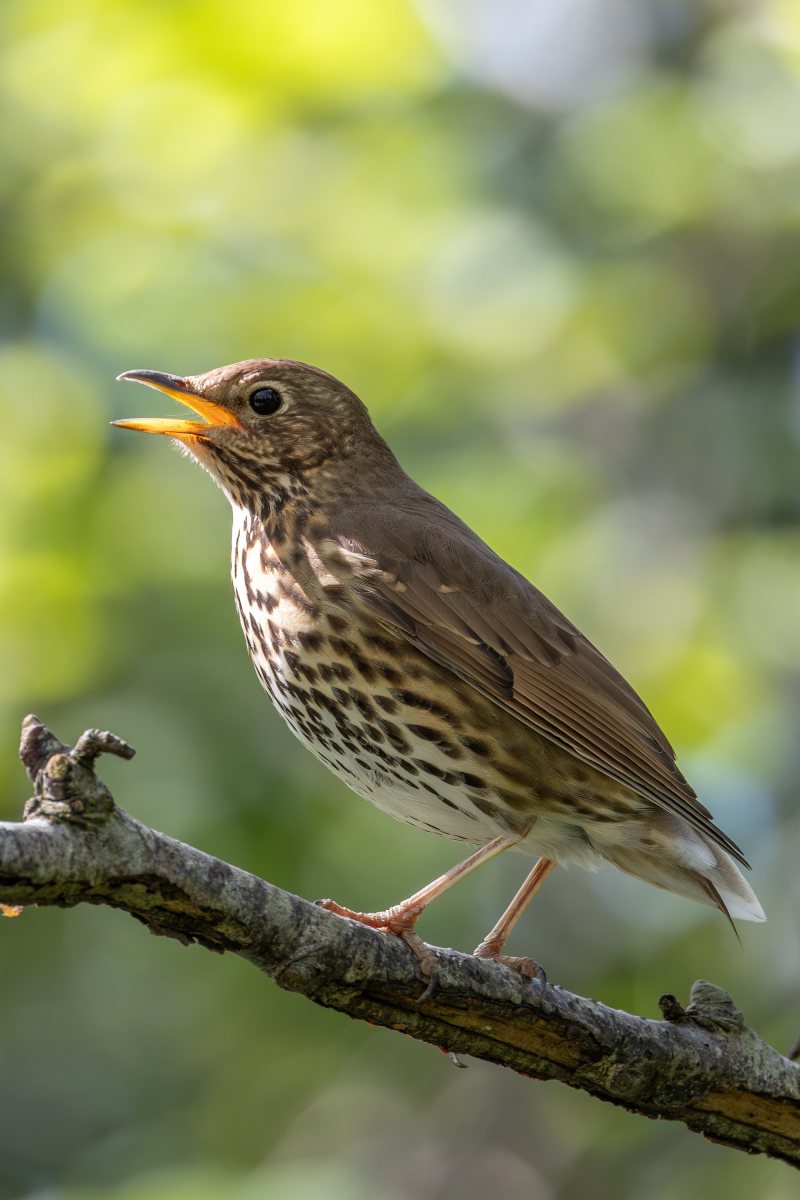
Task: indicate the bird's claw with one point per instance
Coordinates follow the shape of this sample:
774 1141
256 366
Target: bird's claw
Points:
401 924
525 966
376 920
427 959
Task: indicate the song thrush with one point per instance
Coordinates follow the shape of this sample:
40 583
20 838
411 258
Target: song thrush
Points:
423 670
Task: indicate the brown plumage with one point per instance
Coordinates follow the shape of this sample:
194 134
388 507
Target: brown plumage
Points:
420 667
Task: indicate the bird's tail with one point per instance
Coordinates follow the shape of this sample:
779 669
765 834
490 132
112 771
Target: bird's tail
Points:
674 856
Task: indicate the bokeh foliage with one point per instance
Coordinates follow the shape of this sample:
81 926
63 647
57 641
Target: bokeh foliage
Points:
568 288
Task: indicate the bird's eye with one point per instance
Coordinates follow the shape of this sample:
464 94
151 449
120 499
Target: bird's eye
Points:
265 401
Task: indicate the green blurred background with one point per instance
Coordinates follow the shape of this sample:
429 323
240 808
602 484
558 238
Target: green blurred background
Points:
555 246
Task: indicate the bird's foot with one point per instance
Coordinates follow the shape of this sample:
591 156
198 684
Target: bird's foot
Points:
399 920
526 966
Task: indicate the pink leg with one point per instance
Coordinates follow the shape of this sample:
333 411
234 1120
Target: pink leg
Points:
493 943
401 918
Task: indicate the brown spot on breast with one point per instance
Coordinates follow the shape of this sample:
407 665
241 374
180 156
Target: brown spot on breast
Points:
486 807
395 736
429 734
364 669
516 800
437 772
245 577
412 700
270 563
297 596
380 641
362 703
405 782
325 702
259 635
342 647
426 733
330 671
474 745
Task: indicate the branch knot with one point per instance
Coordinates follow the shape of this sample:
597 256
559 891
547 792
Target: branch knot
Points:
710 1007
65 785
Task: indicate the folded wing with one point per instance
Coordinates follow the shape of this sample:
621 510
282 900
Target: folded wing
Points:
433 578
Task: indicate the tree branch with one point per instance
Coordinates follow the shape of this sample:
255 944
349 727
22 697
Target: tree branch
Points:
702 1065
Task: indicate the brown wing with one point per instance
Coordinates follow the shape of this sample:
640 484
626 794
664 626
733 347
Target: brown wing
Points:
455 599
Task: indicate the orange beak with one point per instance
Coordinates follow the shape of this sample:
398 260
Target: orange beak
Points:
179 389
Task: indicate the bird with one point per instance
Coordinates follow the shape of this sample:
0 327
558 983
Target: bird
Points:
421 668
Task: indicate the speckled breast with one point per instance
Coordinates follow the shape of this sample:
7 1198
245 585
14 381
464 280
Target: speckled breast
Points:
397 728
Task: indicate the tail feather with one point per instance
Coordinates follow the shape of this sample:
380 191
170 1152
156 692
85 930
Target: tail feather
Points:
718 902
675 857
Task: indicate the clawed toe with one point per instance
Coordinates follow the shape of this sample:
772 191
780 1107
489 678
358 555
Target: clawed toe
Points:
391 921
526 966
376 920
427 959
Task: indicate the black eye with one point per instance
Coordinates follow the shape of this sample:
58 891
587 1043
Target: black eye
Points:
265 401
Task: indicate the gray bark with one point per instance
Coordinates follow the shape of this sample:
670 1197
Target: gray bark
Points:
702 1065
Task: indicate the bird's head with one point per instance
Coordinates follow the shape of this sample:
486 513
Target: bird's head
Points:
266 424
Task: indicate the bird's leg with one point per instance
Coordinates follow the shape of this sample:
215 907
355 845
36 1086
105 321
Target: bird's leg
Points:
493 943
401 918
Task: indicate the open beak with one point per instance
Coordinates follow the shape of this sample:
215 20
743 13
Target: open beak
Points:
179 389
